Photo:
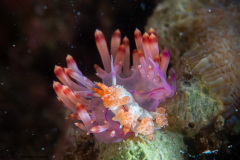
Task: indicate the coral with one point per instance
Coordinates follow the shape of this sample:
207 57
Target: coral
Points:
192 108
166 145
130 97
207 34
215 57
204 35
209 41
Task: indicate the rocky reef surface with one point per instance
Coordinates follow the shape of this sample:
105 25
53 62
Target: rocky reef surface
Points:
166 145
203 37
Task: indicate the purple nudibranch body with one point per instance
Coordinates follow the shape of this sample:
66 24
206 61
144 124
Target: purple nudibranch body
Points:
126 101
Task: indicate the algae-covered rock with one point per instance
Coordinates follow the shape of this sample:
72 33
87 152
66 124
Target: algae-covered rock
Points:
196 105
203 36
165 145
192 108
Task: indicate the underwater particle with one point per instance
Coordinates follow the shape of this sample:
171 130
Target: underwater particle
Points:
143 6
126 102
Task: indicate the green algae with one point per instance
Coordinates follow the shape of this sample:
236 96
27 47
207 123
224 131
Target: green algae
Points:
192 107
197 105
165 145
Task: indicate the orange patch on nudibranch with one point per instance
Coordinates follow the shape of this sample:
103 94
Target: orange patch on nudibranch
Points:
114 98
110 96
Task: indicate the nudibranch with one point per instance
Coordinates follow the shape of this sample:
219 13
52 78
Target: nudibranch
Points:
127 100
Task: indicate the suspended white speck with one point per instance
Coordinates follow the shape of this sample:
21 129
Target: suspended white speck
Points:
29 51
78 13
180 33
143 6
13 45
181 151
71 46
2 83
42 149
209 10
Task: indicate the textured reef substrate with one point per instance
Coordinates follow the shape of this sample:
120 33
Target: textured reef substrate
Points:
162 147
204 38
202 115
